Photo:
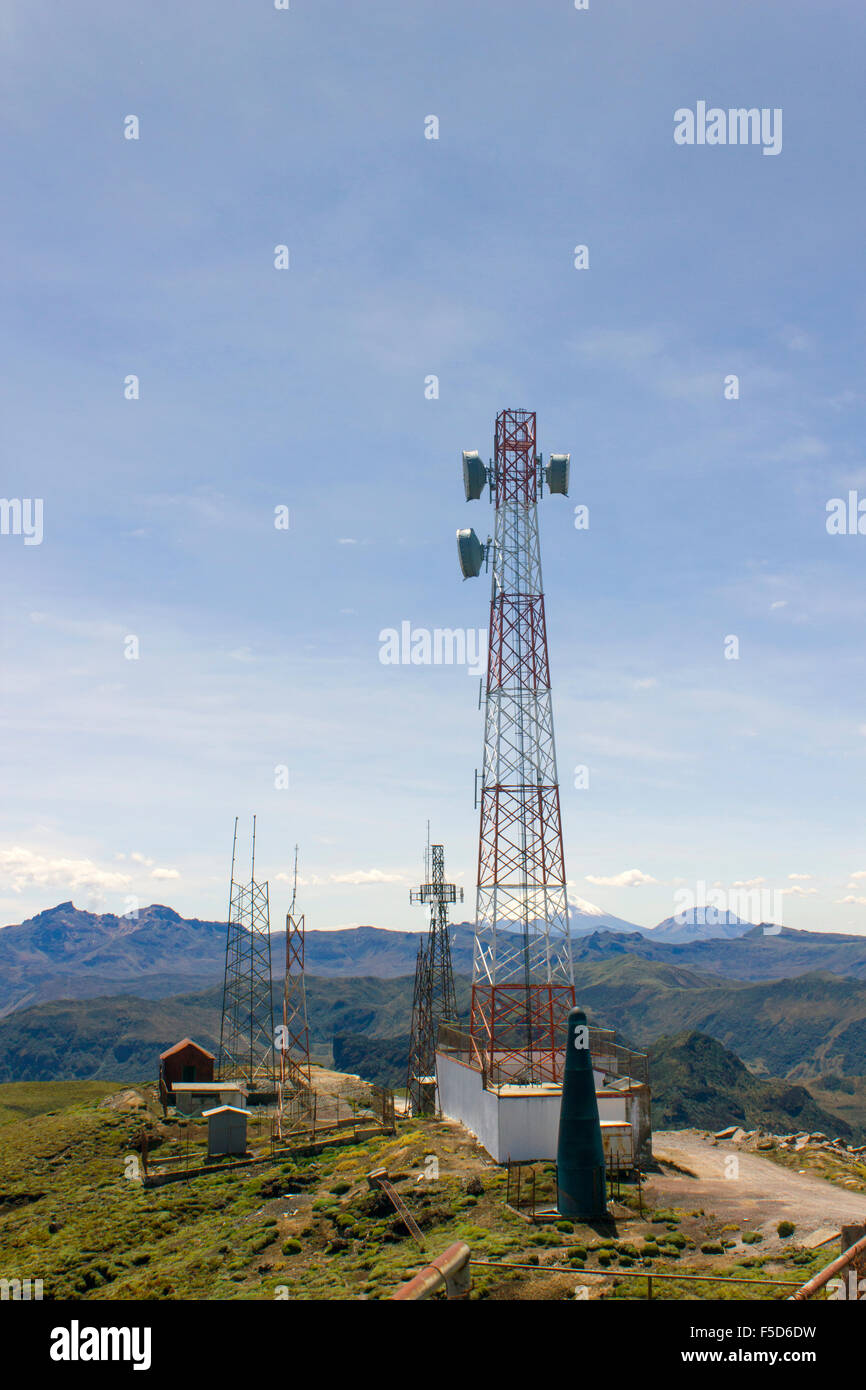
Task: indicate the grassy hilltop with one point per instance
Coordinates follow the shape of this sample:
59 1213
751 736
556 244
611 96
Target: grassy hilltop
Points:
309 1227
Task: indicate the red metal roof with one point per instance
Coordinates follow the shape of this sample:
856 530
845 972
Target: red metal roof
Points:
187 1042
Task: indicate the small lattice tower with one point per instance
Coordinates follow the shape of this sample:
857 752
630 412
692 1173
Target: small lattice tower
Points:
434 999
247 1030
295 1051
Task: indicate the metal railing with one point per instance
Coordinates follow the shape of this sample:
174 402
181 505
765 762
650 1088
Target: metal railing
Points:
449 1270
853 1257
453 1269
607 1054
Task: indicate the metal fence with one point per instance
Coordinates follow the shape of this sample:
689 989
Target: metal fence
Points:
310 1114
607 1055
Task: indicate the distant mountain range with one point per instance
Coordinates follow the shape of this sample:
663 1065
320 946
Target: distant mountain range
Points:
698 924
84 995
797 1029
693 924
755 955
585 917
67 953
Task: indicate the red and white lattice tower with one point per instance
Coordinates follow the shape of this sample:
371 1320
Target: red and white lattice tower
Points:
522 977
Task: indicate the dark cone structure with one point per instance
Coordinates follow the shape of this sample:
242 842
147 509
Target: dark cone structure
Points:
580 1153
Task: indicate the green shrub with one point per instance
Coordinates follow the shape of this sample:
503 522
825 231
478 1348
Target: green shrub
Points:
752 1237
712 1247
785 1229
339 1188
649 1249
291 1247
565 1225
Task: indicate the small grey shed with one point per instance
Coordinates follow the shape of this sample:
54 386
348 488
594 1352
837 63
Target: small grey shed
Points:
226 1130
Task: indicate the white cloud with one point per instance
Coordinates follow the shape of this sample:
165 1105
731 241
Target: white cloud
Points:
861 873
165 873
357 877
24 868
629 878
749 882
366 876
852 899
801 449
801 876
796 339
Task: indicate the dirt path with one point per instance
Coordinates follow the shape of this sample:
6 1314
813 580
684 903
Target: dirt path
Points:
760 1195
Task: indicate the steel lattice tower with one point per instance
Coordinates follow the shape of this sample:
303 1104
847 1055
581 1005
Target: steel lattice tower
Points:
522 976
295 1052
434 1000
247 1031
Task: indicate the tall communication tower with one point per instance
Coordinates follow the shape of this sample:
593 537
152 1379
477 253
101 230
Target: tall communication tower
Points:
522 974
434 1000
295 1051
247 1031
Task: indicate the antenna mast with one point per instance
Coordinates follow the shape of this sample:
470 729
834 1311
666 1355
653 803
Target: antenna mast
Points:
434 1000
247 1028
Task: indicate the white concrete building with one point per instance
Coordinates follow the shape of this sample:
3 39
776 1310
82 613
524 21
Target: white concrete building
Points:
522 1122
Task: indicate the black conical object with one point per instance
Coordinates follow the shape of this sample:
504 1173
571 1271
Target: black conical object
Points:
580 1152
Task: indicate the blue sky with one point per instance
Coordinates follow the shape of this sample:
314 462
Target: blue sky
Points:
412 257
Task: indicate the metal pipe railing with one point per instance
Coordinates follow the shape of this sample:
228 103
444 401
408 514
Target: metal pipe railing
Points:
823 1277
451 1268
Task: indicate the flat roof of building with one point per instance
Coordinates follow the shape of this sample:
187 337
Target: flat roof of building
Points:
210 1086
